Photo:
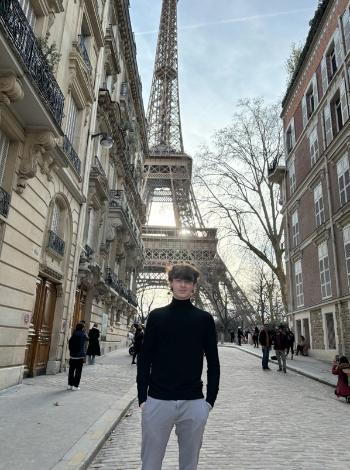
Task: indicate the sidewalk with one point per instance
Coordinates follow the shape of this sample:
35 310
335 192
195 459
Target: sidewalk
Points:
304 365
44 426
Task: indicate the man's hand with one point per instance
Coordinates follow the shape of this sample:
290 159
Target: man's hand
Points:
142 405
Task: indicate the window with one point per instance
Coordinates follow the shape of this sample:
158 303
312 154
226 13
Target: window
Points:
313 143
346 29
290 137
310 101
4 148
319 206
346 238
343 179
325 275
291 173
299 290
29 12
56 219
295 228
330 330
336 114
331 61
71 121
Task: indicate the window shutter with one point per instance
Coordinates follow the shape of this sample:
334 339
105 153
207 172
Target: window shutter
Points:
315 89
324 75
343 101
328 123
338 50
346 29
292 131
304 110
4 148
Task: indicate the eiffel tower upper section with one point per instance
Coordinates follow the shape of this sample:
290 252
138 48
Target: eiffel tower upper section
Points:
168 170
164 122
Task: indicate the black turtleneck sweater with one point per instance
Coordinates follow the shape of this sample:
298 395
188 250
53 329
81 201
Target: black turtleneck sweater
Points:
170 364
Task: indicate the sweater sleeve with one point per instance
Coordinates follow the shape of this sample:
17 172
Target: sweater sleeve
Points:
212 356
144 360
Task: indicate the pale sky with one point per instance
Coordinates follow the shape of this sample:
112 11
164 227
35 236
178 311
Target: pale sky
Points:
228 49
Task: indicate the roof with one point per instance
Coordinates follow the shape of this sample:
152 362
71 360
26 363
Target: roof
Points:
314 24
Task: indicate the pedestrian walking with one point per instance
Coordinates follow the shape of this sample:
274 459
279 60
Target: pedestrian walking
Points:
256 337
169 374
280 346
232 336
341 368
94 344
77 350
290 342
138 340
265 339
240 335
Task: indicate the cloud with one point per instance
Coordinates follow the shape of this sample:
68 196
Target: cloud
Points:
241 19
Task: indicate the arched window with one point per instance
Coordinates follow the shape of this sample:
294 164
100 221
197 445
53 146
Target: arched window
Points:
56 242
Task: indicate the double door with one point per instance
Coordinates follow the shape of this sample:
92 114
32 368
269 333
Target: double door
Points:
40 329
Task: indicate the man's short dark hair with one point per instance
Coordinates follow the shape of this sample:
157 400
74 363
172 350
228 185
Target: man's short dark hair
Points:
79 326
183 271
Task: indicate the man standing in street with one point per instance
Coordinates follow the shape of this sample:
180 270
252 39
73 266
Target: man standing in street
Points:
169 374
280 345
265 339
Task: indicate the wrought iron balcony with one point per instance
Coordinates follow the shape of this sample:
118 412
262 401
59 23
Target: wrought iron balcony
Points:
99 167
21 37
116 284
71 154
88 251
55 243
132 299
84 52
276 170
4 202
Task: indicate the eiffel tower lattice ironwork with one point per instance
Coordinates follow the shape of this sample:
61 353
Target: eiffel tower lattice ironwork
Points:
168 175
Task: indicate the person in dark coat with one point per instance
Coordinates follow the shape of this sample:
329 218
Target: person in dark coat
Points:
280 346
265 339
341 368
138 340
232 336
77 352
94 344
256 337
240 335
290 342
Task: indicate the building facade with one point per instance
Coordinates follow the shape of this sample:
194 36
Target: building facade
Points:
315 184
72 146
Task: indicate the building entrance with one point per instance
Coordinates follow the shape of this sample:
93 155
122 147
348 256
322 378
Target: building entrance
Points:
40 330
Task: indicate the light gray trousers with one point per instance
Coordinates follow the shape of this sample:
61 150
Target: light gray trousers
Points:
158 419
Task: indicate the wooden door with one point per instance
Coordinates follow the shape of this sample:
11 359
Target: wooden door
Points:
79 307
40 329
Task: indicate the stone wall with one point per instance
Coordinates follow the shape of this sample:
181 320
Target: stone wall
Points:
317 332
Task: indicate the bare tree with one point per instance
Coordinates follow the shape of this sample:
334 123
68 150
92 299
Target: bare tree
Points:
145 302
235 188
266 296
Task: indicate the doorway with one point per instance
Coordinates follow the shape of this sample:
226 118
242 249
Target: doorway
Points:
79 307
40 329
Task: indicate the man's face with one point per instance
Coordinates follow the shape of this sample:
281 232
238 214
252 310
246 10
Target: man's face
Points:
182 288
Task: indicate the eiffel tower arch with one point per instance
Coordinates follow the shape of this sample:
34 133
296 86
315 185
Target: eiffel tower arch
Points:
168 179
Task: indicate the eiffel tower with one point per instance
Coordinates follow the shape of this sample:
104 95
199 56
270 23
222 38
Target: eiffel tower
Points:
168 174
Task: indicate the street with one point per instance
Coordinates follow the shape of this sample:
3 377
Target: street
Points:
261 420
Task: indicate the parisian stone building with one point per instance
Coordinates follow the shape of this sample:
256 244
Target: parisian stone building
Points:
72 146
315 184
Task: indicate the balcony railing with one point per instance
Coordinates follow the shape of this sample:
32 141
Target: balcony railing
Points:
116 284
99 167
84 52
4 202
23 41
132 299
71 154
55 243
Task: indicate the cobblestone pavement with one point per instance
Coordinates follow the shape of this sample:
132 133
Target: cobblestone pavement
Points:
262 420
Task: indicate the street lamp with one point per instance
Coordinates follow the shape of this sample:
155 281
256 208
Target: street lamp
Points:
106 140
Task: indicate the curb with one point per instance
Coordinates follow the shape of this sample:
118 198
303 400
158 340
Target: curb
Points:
293 368
82 453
